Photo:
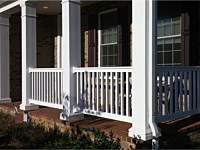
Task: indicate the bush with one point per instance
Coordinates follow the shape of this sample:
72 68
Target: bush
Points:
6 120
31 135
35 136
83 140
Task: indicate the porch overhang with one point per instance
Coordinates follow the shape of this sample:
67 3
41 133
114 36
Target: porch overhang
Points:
7 6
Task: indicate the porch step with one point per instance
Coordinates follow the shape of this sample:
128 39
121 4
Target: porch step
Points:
180 133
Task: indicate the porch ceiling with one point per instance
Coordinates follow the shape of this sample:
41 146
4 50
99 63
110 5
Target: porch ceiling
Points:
48 7
45 7
6 2
53 7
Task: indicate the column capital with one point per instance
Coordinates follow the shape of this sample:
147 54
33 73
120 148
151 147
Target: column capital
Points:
28 10
24 3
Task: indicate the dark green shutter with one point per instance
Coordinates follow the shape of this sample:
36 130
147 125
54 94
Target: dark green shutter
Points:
92 40
123 37
185 38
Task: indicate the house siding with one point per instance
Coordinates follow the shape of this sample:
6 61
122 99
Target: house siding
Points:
15 58
46 31
93 9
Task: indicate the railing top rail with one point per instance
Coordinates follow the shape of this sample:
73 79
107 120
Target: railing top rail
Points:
45 70
102 69
178 68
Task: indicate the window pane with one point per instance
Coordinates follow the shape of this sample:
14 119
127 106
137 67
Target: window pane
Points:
167 44
167 57
176 28
114 30
104 50
111 50
167 27
114 37
160 31
167 30
109 36
104 61
160 45
111 60
160 58
177 57
109 55
105 38
177 43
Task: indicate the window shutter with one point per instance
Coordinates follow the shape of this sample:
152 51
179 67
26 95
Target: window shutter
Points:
185 38
92 40
123 37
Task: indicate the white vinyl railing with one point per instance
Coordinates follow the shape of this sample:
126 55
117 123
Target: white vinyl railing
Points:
105 92
46 87
177 92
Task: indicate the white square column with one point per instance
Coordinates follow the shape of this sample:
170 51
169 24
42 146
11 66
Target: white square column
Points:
28 20
144 56
4 60
71 56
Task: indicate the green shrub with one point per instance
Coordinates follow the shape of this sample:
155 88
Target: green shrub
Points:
35 136
31 135
83 140
6 120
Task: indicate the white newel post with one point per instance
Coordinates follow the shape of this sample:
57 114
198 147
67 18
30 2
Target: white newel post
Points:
4 60
28 20
144 44
71 56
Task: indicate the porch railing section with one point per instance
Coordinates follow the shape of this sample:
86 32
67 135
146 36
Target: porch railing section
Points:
177 92
46 87
105 92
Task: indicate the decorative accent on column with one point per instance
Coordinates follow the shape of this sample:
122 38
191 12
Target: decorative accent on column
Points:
4 60
28 52
143 50
71 56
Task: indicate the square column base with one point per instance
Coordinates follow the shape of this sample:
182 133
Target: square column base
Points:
5 100
140 133
28 107
72 117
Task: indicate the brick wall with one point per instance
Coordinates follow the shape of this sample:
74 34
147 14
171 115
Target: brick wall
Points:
15 57
95 9
46 32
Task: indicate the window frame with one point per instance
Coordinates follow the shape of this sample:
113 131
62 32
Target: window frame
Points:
99 34
171 37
